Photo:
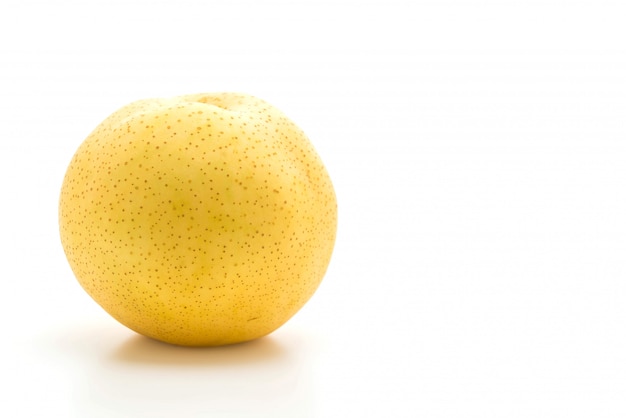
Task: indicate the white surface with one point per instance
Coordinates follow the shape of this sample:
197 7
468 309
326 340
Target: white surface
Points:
478 151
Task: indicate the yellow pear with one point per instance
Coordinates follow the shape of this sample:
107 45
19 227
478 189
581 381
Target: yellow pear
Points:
198 220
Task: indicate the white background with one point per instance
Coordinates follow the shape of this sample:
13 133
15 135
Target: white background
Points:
478 150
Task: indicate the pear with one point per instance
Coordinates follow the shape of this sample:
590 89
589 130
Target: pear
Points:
198 220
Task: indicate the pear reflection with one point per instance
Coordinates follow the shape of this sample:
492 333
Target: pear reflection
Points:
268 377
142 350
